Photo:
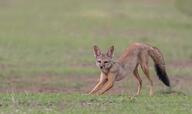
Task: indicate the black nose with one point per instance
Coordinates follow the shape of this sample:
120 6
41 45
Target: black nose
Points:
101 67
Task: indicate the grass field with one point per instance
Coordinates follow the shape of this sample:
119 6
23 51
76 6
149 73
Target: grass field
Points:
47 64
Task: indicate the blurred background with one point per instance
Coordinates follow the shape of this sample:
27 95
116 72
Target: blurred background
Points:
46 45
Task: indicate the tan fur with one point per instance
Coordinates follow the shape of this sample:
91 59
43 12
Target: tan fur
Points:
135 55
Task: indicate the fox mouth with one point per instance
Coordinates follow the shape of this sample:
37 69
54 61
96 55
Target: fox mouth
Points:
104 68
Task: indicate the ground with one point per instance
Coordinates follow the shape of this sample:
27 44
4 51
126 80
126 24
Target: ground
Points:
47 64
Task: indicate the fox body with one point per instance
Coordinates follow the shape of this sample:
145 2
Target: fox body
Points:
135 55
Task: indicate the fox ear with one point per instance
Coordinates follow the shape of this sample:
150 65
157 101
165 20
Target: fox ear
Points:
110 51
96 51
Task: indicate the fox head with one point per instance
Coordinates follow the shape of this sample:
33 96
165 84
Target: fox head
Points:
103 60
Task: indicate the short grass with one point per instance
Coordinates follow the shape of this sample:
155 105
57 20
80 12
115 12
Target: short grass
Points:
48 44
83 104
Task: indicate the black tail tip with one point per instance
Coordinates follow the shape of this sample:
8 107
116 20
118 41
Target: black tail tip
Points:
161 73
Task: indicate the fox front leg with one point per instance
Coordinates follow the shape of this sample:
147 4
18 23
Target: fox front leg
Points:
108 85
100 84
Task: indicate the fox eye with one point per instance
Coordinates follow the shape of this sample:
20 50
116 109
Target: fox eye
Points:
105 61
99 61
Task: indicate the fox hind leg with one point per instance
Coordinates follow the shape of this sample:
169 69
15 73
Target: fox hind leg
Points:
136 74
145 67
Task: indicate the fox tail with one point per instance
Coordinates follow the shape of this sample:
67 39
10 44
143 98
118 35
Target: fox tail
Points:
159 65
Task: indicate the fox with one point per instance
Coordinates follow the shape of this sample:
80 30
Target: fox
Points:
137 54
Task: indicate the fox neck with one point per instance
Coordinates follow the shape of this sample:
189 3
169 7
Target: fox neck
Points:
121 71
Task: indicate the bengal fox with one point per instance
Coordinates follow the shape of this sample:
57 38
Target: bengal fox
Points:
135 55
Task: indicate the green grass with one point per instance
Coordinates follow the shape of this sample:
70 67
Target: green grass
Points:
83 104
48 44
